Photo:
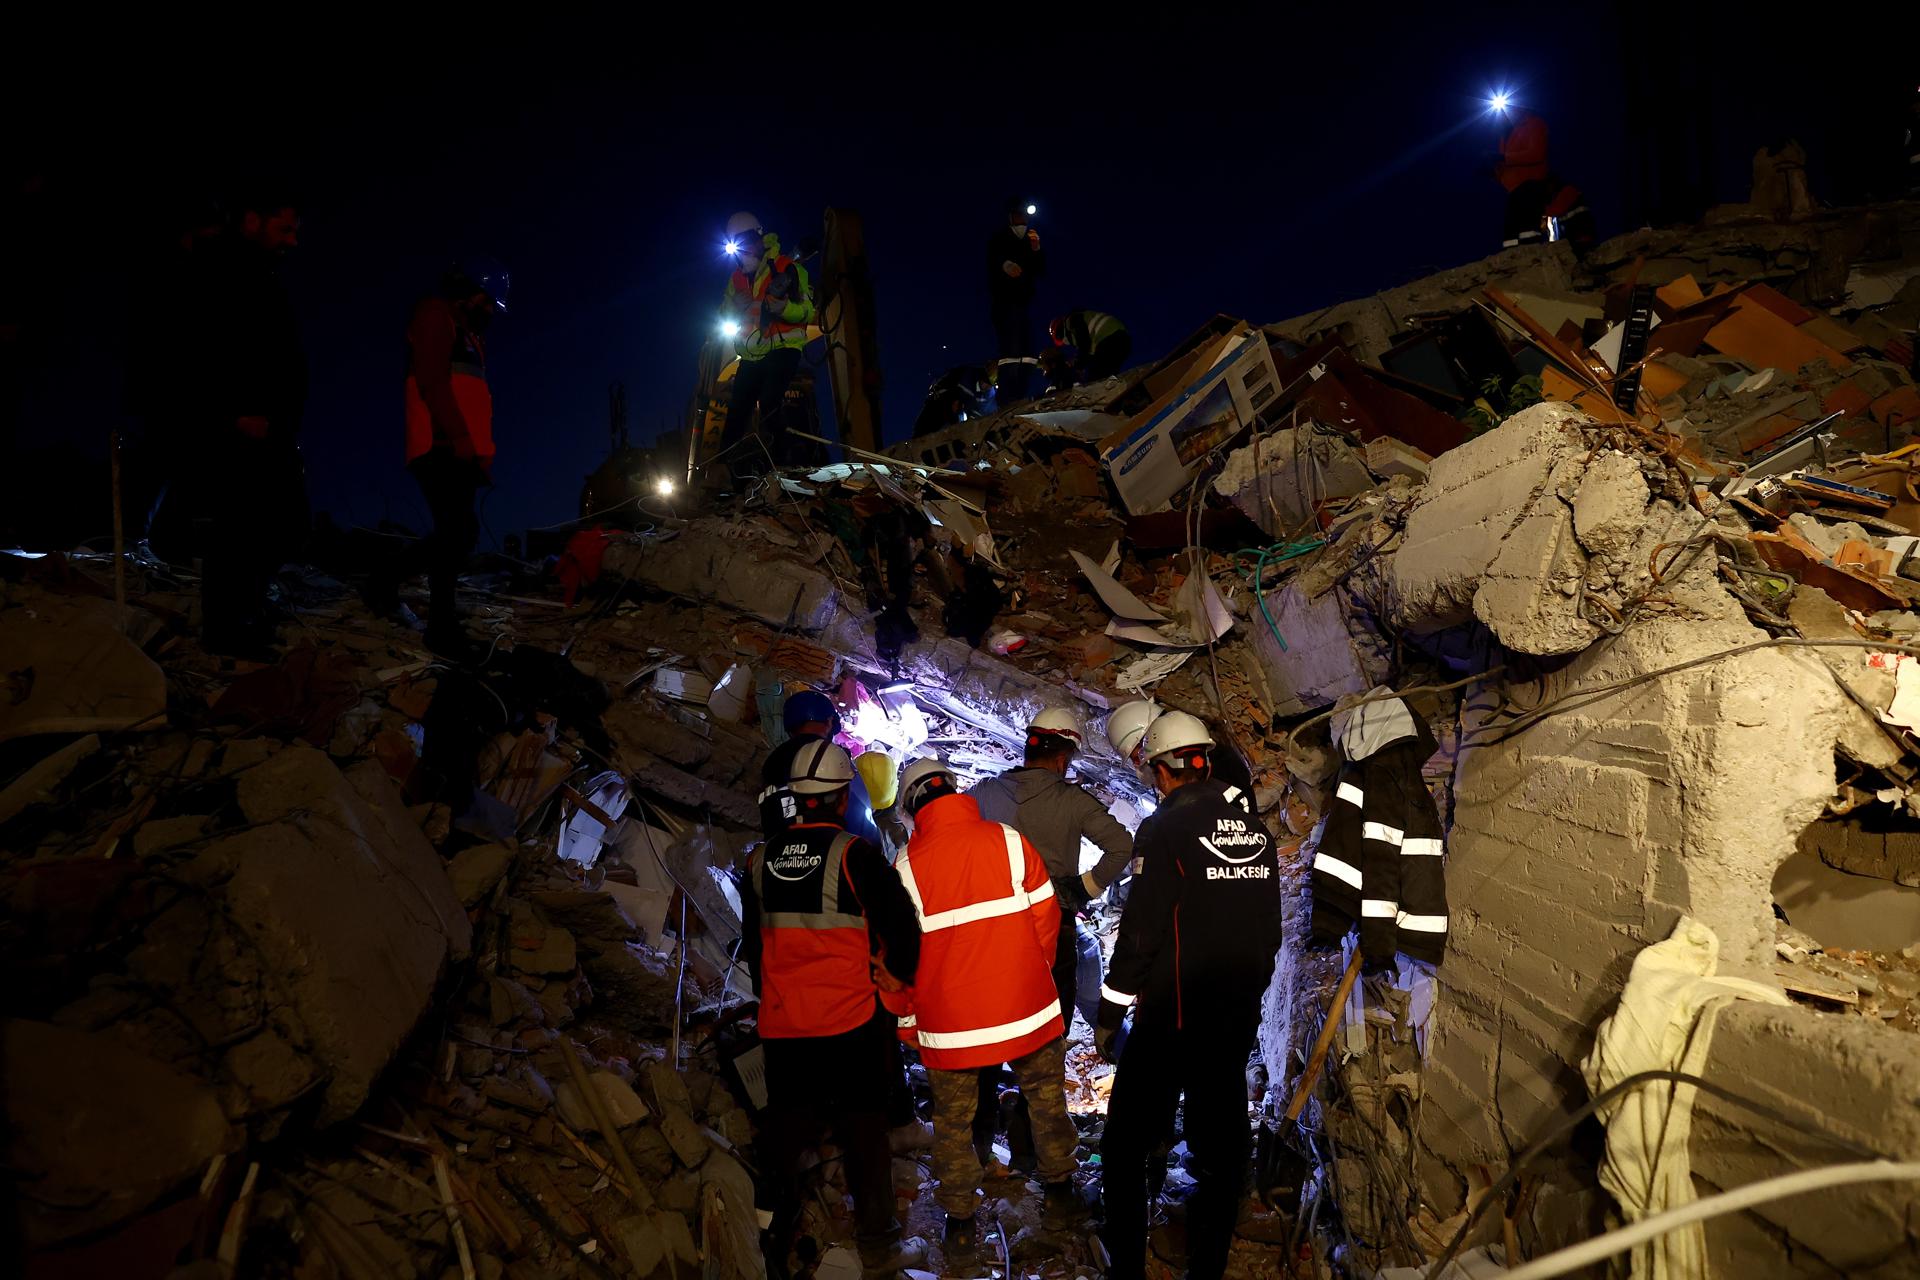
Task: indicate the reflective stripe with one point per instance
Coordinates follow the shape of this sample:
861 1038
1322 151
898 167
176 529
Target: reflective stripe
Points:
811 920
1423 924
1351 794
1380 907
1422 847
1016 901
769 793
989 1035
972 913
1382 832
1118 997
908 1020
1233 793
1337 869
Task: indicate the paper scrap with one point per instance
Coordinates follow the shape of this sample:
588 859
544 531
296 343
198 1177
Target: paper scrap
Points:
1119 601
1150 668
687 686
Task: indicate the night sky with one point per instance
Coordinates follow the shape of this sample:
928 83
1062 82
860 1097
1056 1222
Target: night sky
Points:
1261 167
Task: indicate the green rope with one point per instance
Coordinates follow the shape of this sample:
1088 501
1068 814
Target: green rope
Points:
1278 553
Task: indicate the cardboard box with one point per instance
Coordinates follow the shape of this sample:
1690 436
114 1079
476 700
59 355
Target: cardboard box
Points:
1214 396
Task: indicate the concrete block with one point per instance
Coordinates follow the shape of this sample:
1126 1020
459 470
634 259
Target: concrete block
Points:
1278 480
716 561
1612 503
96 1131
348 905
1494 506
1321 662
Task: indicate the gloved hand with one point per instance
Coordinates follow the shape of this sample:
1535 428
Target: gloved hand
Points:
1033 239
1105 1041
1012 269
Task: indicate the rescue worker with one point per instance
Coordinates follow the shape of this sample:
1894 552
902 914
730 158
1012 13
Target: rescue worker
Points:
1196 949
1055 815
809 716
984 992
1534 192
1015 263
1101 342
237 398
825 922
449 441
962 392
1127 728
769 301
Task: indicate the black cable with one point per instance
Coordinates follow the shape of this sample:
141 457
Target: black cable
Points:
1566 1124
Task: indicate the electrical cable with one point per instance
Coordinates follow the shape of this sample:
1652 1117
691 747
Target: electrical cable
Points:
1799 1182
1567 1123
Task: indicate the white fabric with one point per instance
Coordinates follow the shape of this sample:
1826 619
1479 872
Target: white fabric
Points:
1664 1021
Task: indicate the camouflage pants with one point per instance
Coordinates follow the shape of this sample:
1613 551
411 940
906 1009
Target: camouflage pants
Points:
1043 1082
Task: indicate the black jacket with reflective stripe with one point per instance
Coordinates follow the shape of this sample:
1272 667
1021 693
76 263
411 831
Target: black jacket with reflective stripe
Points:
1380 860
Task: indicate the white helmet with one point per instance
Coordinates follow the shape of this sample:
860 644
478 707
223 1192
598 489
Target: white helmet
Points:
925 780
1059 722
819 768
1128 724
1176 732
741 223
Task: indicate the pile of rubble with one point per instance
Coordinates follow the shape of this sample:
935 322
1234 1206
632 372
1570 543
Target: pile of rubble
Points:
359 964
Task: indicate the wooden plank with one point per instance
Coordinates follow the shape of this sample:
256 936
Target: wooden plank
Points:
1812 983
1752 333
1547 342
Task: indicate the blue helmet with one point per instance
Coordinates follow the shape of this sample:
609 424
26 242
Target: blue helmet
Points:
810 707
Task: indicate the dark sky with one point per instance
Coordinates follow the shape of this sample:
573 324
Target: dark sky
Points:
1258 166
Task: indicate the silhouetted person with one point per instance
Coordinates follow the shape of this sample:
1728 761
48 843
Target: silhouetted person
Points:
449 439
1015 263
233 402
1534 192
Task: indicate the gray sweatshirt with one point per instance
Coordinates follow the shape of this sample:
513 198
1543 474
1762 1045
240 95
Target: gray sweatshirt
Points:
1053 814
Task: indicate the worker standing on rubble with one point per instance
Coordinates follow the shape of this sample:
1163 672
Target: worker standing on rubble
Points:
1535 193
239 394
767 307
1055 815
1015 263
1195 948
449 439
825 924
984 993
809 716
1100 341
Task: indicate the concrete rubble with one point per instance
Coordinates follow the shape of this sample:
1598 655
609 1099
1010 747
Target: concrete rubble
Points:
358 964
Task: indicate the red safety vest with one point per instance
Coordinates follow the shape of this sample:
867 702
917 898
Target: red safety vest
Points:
744 302
984 992
470 390
816 976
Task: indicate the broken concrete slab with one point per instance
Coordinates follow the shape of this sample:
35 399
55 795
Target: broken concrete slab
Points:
1321 661
349 906
1492 536
1611 506
623 1105
1279 480
714 560
474 871
79 678
97 1131
42 779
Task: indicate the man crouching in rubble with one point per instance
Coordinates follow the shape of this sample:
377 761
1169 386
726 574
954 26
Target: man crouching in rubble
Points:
823 916
985 992
1196 947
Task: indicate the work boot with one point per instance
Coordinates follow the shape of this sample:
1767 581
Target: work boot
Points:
893 1258
1067 1205
961 1243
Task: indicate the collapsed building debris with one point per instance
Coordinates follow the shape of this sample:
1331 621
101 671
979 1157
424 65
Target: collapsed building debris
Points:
361 964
